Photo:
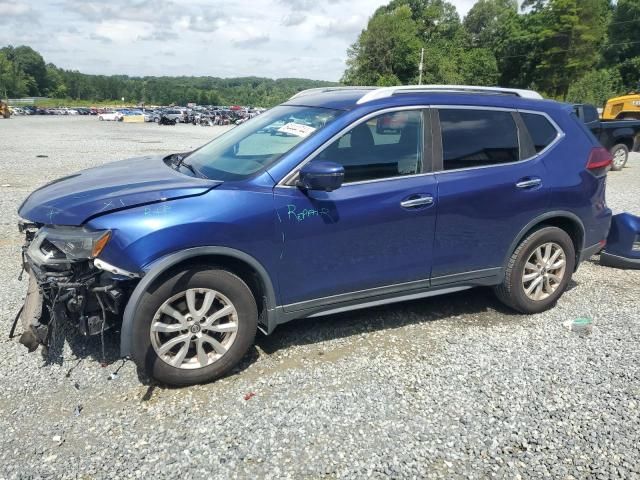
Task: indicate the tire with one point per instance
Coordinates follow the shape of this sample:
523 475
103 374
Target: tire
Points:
100 118
512 290
620 154
229 290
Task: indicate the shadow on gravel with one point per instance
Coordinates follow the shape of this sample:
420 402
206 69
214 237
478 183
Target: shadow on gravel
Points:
479 305
91 349
82 347
477 301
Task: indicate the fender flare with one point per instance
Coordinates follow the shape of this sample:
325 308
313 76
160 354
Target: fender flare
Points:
161 265
540 219
623 134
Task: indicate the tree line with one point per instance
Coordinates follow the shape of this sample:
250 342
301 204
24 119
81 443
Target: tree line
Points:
573 50
23 72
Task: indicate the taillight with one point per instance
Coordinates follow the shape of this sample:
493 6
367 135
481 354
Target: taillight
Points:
599 161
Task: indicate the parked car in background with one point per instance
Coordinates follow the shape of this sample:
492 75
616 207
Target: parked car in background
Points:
149 115
112 116
618 136
189 254
171 114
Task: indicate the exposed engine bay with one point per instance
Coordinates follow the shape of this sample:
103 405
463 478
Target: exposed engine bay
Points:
68 284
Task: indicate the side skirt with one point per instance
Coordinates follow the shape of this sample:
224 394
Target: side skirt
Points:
389 294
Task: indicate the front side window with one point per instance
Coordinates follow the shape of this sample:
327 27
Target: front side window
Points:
259 142
475 138
386 146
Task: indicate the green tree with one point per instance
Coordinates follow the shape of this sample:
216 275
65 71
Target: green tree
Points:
624 32
561 41
596 87
435 19
55 83
387 51
623 47
5 75
31 67
485 21
14 81
389 47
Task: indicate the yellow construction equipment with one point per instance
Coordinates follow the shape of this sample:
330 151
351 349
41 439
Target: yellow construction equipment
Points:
626 107
4 110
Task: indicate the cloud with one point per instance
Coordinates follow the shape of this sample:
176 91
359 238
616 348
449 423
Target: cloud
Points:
307 5
207 21
251 41
16 11
348 28
294 19
150 11
156 35
100 38
227 38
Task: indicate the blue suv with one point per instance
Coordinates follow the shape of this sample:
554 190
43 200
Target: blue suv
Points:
338 199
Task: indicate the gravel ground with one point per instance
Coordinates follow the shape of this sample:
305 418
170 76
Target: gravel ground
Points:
447 387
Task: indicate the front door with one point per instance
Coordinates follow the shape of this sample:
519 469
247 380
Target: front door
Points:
376 230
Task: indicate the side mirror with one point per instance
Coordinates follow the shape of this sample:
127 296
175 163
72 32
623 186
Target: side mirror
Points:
325 176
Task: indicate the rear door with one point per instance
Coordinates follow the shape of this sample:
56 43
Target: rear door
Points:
491 183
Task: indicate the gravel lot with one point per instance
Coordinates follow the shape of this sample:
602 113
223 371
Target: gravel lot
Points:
447 387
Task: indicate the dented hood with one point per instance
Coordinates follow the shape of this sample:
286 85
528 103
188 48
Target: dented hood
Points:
72 200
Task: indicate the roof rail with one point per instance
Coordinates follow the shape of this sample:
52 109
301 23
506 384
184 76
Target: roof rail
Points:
311 91
389 91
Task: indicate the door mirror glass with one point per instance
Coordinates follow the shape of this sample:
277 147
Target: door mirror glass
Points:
325 176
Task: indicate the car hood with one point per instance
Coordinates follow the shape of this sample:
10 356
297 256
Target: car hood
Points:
72 200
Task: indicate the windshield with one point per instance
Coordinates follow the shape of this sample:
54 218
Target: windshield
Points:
256 144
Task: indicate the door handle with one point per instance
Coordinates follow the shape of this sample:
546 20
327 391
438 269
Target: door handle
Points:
417 201
528 183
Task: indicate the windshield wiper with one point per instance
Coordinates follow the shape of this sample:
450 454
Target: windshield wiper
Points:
182 163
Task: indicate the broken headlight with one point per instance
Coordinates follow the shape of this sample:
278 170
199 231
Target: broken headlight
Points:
64 244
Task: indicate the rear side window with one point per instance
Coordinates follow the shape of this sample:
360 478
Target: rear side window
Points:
540 129
476 138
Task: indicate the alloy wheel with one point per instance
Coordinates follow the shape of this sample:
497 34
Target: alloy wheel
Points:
194 328
544 271
619 157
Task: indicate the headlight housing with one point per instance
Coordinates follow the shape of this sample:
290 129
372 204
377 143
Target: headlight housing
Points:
55 245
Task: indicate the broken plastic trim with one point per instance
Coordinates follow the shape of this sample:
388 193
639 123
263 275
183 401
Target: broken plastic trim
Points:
107 267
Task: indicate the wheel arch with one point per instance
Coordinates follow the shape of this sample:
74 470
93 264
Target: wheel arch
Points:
567 221
240 263
625 140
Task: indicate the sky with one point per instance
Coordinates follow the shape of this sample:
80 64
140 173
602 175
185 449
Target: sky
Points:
221 38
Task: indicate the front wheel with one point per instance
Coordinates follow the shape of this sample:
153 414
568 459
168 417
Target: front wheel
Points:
194 326
538 271
620 154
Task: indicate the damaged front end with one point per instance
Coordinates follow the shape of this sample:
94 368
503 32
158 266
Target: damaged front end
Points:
68 283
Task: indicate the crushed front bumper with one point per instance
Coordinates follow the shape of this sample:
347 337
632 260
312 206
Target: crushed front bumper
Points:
62 290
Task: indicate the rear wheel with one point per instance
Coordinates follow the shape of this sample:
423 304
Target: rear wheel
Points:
194 327
620 155
538 271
